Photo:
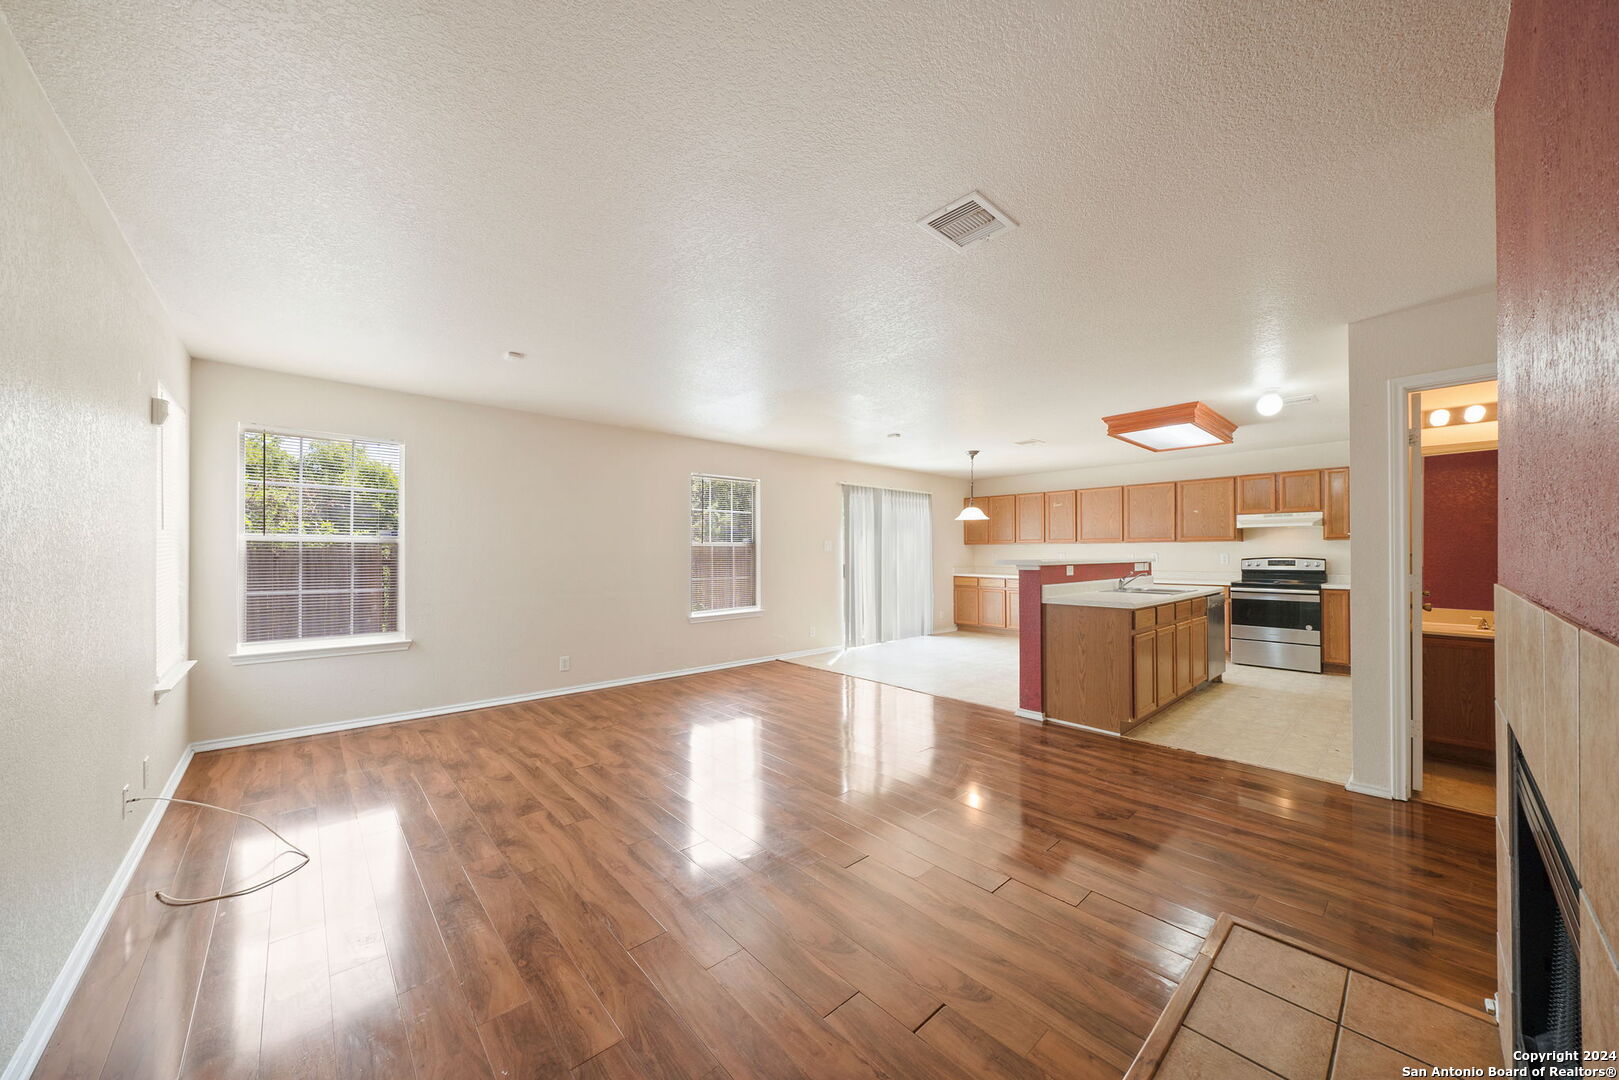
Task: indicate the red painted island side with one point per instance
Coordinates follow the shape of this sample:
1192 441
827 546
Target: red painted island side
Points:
1030 684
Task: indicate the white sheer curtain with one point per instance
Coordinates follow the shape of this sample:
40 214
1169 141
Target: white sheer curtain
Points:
888 564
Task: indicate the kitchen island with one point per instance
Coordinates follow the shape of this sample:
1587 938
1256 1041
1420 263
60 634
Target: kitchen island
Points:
1113 658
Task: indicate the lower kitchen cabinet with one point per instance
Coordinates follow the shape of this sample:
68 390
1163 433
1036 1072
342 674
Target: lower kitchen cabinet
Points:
1335 630
1144 672
987 603
967 606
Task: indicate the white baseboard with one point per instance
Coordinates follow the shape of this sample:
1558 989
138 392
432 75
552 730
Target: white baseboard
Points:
40 1029
1368 789
1030 714
230 741
50 1012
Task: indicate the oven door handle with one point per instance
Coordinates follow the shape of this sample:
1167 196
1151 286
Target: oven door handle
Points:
1286 597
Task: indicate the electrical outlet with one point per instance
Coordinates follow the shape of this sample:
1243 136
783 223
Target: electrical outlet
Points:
146 773
564 663
1225 558
123 802
812 633
1069 570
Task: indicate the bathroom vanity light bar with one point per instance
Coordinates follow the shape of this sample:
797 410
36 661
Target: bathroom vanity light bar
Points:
1461 414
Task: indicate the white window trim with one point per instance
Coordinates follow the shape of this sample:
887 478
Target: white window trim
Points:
729 613
758 606
265 652
269 652
171 678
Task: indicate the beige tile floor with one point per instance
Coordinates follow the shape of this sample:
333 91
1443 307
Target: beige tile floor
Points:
1270 1009
1293 721
967 665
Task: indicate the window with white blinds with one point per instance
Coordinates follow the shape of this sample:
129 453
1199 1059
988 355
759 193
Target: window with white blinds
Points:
321 532
724 544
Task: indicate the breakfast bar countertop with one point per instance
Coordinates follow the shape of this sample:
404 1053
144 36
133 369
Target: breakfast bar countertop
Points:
1086 594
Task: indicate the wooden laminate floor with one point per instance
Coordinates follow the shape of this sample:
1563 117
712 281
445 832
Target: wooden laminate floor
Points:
770 871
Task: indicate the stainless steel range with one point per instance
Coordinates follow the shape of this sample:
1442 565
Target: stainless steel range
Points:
1276 613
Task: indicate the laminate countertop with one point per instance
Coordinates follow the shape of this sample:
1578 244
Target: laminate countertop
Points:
1076 596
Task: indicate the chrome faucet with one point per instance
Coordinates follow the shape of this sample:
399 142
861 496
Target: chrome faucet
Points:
1123 581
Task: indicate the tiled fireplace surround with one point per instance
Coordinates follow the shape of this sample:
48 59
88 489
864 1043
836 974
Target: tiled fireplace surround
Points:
1557 688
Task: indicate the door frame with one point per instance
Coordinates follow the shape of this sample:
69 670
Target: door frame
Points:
1404 756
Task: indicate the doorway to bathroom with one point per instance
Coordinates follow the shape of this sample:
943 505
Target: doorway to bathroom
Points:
1453 441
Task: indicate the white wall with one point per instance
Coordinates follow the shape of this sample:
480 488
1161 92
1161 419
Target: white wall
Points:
84 342
526 538
1200 557
1457 332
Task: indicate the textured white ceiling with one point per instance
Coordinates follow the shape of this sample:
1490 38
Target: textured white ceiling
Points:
700 216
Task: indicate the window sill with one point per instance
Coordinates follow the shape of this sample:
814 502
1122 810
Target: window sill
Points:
731 613
310 648
171 678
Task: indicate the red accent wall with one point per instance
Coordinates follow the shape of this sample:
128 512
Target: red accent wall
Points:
1031 685
1557 270
1459 529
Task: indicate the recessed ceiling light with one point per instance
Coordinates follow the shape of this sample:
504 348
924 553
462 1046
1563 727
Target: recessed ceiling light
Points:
1269 404
1473 414
513 355
893 434
1030 442
1172 427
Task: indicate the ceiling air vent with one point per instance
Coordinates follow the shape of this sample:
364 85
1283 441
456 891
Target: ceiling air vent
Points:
969 220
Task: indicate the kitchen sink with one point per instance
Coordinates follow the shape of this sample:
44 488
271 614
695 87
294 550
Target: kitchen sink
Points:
1154 592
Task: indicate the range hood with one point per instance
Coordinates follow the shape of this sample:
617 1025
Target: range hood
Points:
1279 521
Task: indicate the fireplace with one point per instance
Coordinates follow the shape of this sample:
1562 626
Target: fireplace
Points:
1545 925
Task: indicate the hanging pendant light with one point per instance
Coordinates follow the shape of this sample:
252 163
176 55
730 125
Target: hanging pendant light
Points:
971 512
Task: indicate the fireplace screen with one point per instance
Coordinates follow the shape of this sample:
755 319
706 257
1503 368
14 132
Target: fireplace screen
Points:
1546 925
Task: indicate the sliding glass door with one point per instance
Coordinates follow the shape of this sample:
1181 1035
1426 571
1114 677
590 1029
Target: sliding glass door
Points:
888 564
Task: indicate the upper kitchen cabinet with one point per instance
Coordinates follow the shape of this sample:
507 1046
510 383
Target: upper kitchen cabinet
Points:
1335 515
1031 518
1003 519
976 532
1149 511
1256 493
1062 524
1206 509
1298 492
1101 514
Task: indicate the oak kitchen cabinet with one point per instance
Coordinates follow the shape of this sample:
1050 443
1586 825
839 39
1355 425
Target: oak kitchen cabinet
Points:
1201 509
1062 520
1112 668
1298 492
1031 518
1003 519
1101 515
1335 629
976 532
1149 512
1206 509
1335 515
987 602
1256 493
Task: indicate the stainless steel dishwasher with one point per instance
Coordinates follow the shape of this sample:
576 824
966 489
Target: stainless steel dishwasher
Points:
1216 611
